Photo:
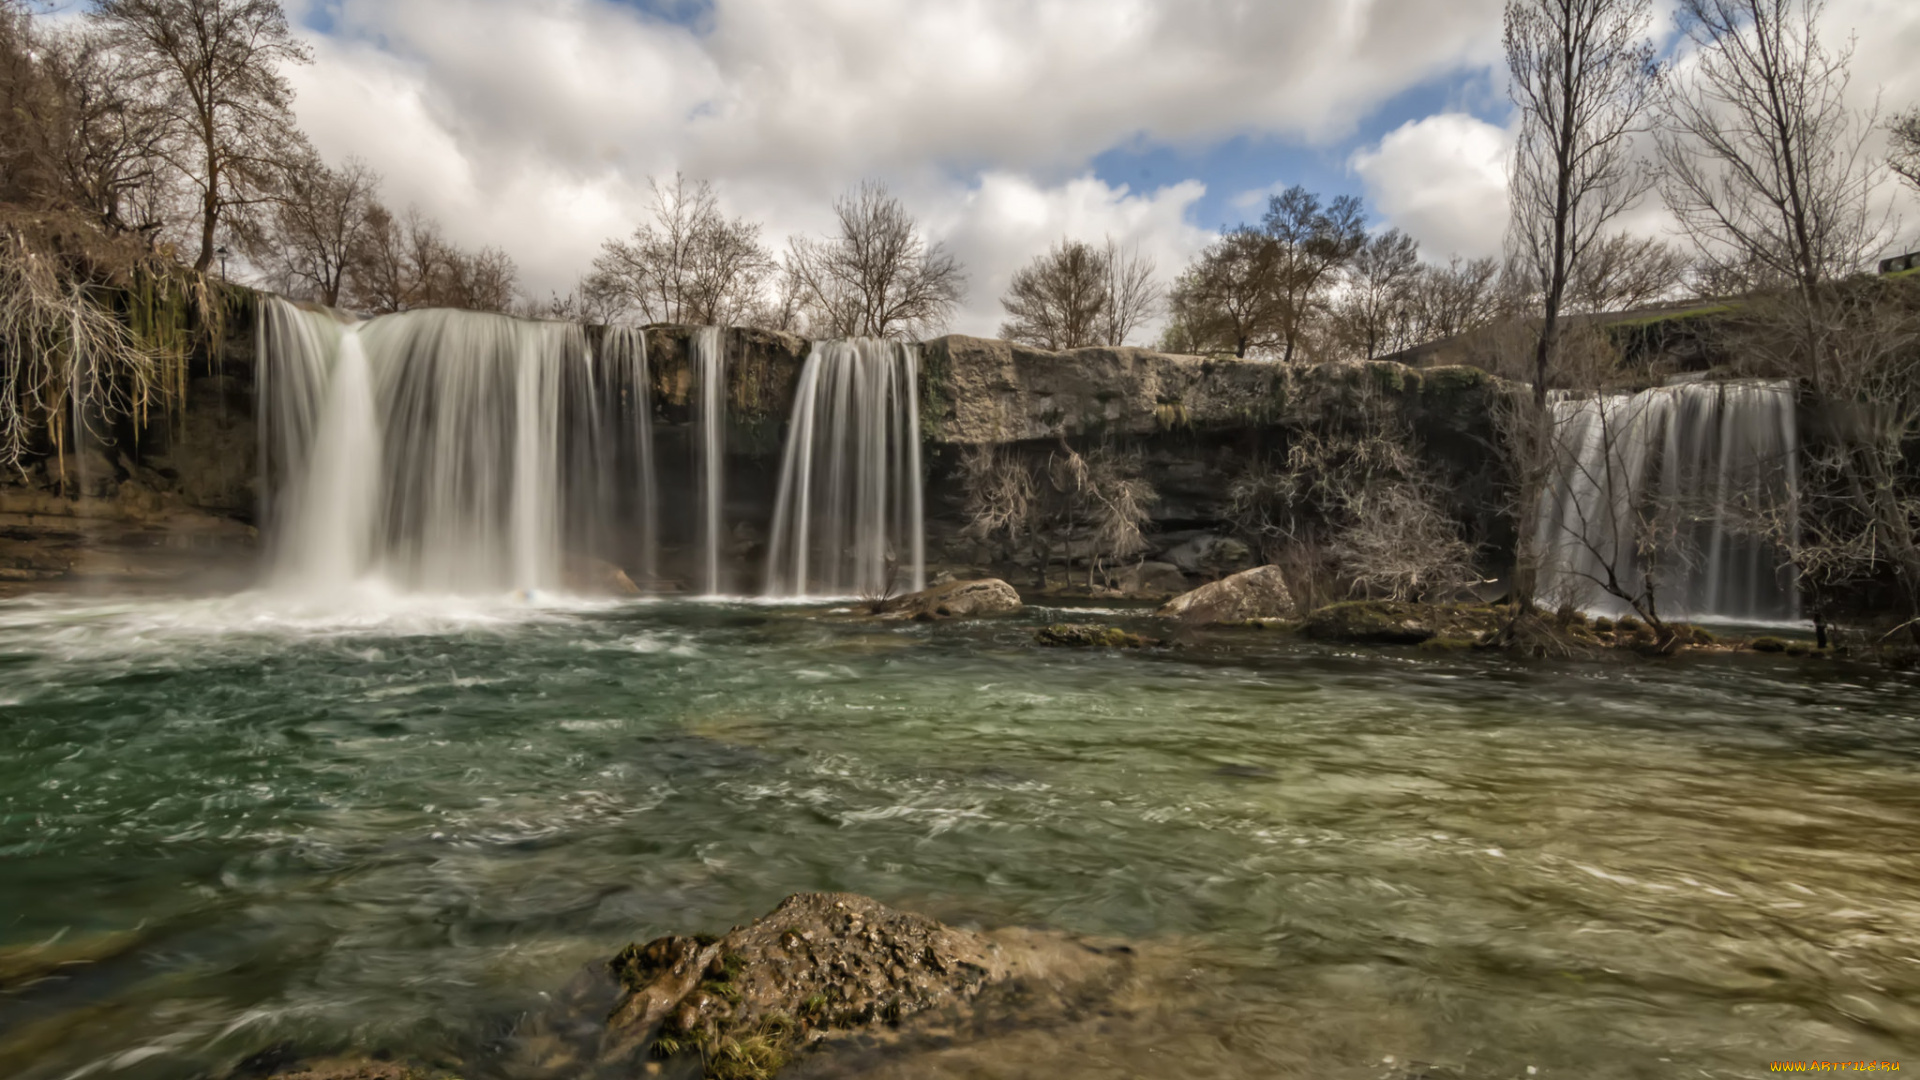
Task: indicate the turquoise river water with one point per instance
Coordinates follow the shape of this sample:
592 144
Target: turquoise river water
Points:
402 828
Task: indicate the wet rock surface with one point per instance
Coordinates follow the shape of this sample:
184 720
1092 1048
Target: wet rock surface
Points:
1085 636
1260 593
956 600
1371 622
822 968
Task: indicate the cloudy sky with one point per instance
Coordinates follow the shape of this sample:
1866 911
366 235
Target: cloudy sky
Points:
1003 124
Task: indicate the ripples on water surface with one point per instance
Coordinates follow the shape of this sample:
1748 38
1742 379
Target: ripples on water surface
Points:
399 828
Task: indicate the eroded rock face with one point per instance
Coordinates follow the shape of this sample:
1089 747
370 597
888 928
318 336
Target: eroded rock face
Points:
819 965
956 600
1260 593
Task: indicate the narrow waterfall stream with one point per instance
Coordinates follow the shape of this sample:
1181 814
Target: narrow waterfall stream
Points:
710 361
849 516
1680 480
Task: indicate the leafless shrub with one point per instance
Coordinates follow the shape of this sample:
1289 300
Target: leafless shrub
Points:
999 494
1399 544
1351 509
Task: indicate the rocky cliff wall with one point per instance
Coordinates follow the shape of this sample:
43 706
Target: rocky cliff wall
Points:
189 480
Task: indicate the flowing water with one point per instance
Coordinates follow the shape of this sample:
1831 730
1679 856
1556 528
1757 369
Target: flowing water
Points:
1685 480
403 825
451 451
847 521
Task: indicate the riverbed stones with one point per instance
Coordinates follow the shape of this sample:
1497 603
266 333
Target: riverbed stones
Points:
956 600
1260 593
820 966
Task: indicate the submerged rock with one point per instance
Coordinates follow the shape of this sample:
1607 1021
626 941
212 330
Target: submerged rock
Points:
956 600
1081 635
1371 622
588 576
1260 593
821 965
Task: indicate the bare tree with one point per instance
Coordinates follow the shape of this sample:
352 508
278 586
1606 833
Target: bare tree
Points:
1059 300
111 140
1225 301
317 230
690 263
1447 301
1623 272
1373 312
406 262
1767 167
1311 242
877 277
1905 130
1133 297
1770 172
216 65
1583 76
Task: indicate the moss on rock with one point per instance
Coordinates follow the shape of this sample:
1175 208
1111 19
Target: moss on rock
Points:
1080 635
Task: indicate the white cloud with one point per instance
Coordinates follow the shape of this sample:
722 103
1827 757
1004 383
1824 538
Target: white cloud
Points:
533 124
1443 179
1008 218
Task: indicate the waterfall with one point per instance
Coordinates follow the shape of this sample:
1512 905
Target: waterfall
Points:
709 358
449 451
847 520
1674 479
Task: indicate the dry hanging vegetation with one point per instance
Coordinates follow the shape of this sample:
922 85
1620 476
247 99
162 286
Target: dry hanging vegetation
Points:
1067 506
1351 511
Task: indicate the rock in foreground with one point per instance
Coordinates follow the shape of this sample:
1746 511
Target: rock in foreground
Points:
956 600
1260 593
822 964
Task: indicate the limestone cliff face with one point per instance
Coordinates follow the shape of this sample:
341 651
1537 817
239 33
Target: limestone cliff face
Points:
1196 422
977 391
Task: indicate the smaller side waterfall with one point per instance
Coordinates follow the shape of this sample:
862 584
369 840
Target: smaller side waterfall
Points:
709 359
848 519
1676 476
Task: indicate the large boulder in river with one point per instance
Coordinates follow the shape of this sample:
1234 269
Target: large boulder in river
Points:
1260 593
956 600
819 966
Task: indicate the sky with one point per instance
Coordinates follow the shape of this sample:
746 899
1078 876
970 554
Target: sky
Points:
1003 125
